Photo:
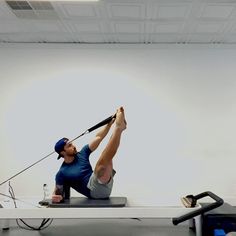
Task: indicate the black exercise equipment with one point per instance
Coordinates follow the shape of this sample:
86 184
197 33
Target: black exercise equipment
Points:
218 202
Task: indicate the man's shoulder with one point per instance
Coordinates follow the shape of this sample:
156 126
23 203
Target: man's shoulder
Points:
59 173
85 149
62 168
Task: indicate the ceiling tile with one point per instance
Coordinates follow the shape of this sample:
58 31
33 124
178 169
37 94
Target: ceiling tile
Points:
56 37
232 29
24 38
13 27
208 27
129 38
86 27
230 38
91 38
217 11
126 11
127 27
46 26
200 38
172 11
164 38
4 38
79 10
167 27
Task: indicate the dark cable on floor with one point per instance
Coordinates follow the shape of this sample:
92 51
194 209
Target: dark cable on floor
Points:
44 224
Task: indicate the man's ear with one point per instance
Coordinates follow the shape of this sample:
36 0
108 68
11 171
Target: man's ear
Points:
63 153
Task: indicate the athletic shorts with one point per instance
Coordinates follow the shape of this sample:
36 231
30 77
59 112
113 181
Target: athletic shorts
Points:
98 189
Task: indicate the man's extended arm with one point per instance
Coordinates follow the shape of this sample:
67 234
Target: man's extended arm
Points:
100 136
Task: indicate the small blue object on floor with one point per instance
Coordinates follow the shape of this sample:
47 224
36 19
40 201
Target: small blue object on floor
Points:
219 232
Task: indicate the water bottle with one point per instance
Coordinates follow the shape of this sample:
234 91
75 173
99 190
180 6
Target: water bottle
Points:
45 191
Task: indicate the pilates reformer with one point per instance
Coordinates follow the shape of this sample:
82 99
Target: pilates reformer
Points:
113 207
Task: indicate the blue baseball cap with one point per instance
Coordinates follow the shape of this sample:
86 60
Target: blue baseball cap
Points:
59 146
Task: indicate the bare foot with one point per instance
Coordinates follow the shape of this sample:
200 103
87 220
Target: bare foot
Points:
120 119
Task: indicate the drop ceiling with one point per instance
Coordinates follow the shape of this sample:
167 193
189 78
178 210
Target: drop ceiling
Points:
118 21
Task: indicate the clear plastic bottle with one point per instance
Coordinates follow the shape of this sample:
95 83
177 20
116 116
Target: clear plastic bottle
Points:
45 191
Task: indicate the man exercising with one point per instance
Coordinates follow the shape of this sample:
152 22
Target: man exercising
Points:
76 170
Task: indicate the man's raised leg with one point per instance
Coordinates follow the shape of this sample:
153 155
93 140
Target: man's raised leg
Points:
103 169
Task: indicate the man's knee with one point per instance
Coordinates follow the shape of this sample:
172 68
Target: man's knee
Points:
100 171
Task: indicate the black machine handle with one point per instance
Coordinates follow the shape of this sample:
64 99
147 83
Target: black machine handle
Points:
104 122
218 202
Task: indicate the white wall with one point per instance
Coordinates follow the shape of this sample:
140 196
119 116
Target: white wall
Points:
180 105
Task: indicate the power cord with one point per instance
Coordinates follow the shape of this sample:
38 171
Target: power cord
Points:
44 224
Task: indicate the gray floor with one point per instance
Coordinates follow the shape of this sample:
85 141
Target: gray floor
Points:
102 227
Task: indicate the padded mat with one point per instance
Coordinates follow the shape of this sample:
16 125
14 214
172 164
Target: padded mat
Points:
86 202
